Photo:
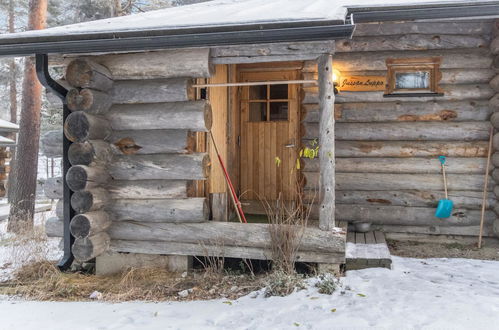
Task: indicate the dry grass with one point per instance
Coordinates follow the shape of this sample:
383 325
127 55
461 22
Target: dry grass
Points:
287 223
43 281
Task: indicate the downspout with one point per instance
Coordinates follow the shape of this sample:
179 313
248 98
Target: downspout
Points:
42 71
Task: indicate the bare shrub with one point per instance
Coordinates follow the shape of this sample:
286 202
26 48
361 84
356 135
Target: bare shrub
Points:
29 245
288 221
214 258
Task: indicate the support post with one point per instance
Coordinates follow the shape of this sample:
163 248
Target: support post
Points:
326 142
43 74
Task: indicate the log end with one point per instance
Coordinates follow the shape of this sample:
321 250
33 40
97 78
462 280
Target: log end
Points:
206 165
208 116
77 127
81 153
82 201
79 73
79 99
77 178
80 226
88 248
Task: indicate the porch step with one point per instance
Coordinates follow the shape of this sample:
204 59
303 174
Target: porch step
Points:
367 250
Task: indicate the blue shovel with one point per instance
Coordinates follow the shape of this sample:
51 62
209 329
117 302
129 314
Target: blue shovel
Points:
444 208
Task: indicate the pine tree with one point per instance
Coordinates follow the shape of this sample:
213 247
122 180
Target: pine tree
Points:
24 192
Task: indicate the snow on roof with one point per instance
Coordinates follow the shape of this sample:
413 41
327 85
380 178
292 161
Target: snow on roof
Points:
7 126
229 12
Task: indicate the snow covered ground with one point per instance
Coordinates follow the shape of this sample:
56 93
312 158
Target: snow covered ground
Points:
416 294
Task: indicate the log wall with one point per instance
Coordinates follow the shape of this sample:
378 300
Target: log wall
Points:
387 169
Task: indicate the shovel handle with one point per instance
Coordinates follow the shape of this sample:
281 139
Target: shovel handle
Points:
445 180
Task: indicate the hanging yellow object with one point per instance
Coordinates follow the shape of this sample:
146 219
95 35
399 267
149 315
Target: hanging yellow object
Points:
278 161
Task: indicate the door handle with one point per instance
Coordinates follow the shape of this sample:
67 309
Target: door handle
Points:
289 146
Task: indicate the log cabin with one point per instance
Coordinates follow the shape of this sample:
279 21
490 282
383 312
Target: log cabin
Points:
346 107
8 132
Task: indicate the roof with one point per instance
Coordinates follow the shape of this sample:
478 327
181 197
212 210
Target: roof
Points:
8 127
222 22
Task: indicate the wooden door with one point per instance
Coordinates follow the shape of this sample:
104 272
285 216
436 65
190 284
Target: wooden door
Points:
269 137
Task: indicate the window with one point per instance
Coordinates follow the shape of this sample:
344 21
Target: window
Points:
268 103
413 77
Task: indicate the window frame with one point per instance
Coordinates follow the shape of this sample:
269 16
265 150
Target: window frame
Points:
409 65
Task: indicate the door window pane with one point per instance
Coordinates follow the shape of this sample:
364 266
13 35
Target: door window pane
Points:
412 80
258 92
278 111
257 111
278 92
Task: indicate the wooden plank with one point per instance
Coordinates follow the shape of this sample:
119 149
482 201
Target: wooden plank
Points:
360 238
370 237
194 249
351 237
218 98
380 237
225 233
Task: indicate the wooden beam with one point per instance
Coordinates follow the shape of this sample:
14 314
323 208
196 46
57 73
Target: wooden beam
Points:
326 138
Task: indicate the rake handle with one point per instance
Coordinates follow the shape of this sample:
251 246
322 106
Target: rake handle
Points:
445 182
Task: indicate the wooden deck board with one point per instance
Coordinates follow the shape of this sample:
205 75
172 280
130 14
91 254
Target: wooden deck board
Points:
367 250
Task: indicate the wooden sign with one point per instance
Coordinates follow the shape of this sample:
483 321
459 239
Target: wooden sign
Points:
362 83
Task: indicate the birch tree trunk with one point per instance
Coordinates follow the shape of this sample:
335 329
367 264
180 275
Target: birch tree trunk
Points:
24 192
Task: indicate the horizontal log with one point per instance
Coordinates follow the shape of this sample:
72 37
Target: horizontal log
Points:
388 181
411 42
161 167
85 249
84 73
471 200
225 234
449 76
150 189
178 63
89 224
279 48
451 59
54 227
160 210
409 148
88 100
265 59
89 200
81 177
143 142
53 188
414 131
414 216
450 93
409 111
495 228
81 127
401 165
494 120
51 143
482 28
93 152
152 91
495 159
195 116
194 249
437 230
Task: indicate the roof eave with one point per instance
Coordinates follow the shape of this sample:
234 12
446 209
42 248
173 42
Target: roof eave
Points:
442 11
307 32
